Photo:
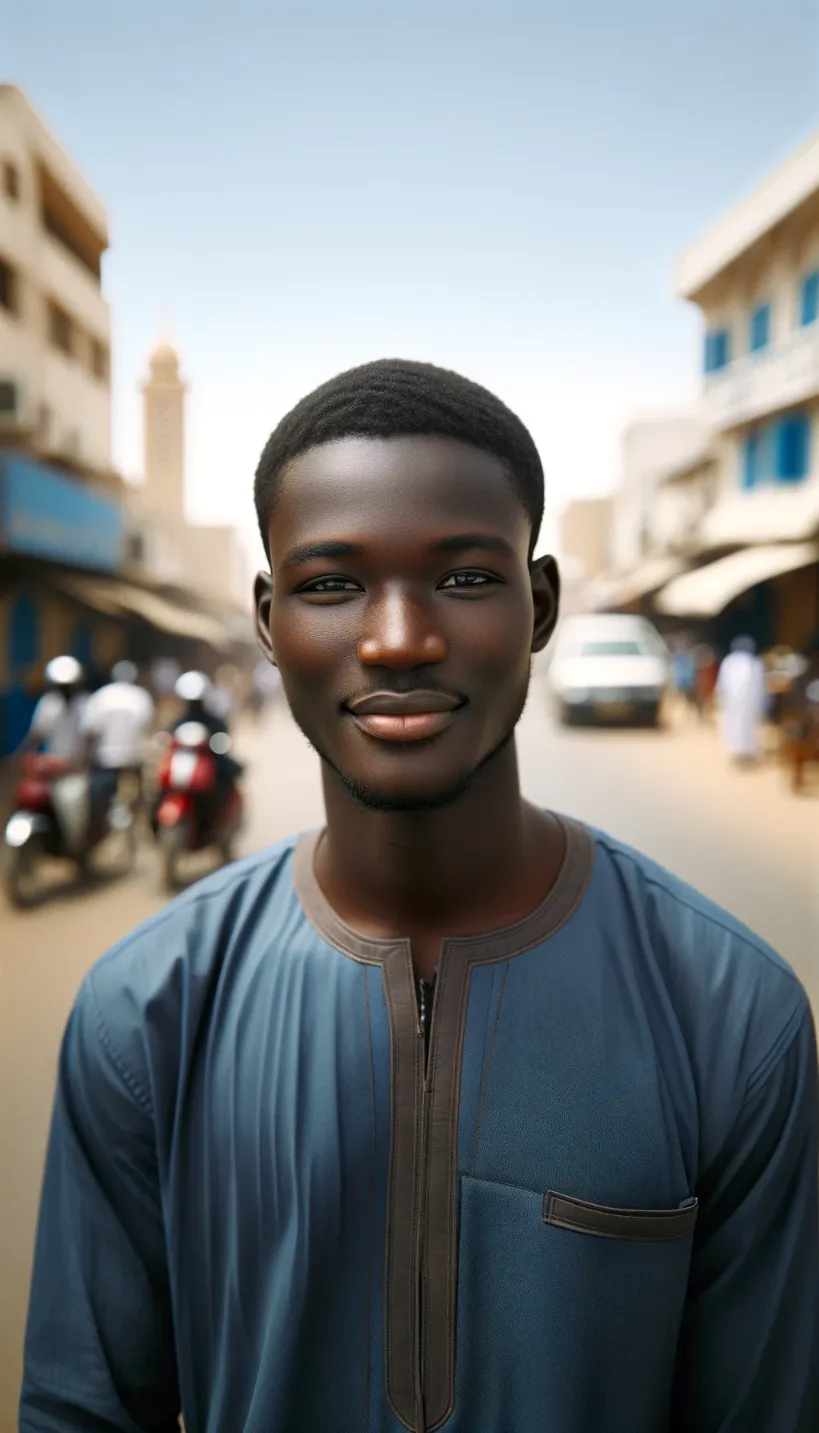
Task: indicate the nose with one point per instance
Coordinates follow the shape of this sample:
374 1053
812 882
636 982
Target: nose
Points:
401 633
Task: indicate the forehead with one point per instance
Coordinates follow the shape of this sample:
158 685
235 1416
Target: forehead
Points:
374 487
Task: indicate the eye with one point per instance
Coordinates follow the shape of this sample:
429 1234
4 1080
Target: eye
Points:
468 579
330 587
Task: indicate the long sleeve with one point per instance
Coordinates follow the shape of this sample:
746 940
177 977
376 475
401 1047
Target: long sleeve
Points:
749 1348
99 1350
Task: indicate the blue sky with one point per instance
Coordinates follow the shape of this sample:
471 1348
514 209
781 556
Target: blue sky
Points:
501 188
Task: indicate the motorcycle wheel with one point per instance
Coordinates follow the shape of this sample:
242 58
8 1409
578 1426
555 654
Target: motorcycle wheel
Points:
20 878
173 842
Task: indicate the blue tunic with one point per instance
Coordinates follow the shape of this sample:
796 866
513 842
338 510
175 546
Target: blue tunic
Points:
591 1209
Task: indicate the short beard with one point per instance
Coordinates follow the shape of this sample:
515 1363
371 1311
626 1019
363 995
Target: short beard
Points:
373 800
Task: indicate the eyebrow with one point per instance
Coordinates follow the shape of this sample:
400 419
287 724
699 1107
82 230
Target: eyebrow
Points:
472 541
315 550
461 542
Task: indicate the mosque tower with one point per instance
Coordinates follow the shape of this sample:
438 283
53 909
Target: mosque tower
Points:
164 435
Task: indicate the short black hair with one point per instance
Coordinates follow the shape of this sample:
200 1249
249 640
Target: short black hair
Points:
396 398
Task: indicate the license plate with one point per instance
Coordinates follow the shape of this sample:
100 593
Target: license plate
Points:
183 765
615 711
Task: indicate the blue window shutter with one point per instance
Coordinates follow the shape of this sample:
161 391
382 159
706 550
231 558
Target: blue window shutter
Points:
717 350
750 455
792 456
760 328
809 311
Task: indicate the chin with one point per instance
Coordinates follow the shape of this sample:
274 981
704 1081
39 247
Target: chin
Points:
420 797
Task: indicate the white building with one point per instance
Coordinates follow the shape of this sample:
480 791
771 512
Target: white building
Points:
642 554
55 393
755 277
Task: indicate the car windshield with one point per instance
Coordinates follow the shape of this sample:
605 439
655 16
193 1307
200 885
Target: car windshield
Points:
611 649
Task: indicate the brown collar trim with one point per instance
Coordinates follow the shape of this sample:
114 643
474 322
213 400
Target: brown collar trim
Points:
543 922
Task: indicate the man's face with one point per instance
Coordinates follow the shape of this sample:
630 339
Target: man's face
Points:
403 612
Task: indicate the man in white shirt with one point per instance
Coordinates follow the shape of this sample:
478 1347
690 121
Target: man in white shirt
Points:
59 715
114 722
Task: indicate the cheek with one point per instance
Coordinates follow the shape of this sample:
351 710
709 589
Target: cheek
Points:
310 641
496 635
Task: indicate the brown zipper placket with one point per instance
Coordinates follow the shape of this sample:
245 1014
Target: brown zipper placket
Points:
425 1017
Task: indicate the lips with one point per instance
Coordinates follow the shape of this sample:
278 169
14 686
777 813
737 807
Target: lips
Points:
405 716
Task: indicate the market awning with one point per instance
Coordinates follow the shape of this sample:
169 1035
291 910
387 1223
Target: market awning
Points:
648 578
708 590
114 598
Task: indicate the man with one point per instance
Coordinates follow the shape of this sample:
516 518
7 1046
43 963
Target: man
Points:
456 1114
114 723
56 724
684 671
800 716
743 698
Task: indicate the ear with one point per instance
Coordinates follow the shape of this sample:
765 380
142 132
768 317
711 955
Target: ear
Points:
262 599
546 593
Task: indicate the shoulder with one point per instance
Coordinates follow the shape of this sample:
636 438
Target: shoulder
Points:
147 996
736 999
49 706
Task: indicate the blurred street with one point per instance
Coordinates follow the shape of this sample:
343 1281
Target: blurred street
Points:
742 838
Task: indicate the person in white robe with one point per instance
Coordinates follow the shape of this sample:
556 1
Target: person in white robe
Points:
743 698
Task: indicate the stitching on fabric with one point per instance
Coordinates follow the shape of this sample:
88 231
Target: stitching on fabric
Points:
778 1050
487 1067
748 941
124 1073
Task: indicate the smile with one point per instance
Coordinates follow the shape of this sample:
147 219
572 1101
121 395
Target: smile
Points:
405 716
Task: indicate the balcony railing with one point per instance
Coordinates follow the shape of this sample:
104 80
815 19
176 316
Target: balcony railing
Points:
760 383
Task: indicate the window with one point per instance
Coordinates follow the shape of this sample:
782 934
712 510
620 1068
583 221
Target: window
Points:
9 295
8 396
760 328
792 448
612 649
809 304
135 548
11 180
99 359
60 329
751 455
717 350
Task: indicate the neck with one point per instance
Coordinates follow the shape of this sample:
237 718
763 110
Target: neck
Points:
431 870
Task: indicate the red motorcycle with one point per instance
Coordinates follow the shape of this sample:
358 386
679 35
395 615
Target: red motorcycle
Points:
193 813
50 821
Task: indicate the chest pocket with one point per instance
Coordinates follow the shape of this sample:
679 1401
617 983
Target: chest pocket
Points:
651 1225
568 1311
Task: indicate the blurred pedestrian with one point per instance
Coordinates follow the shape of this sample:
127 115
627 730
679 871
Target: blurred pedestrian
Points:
57 719
266 685
705 681
743 700
684 671
114 723
800 716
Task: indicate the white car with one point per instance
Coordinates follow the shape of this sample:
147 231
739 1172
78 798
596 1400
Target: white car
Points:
611 667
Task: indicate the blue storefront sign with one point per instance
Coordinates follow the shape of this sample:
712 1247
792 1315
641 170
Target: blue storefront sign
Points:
45 514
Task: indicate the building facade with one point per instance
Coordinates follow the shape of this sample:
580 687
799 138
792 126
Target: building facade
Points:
755 278
55 395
